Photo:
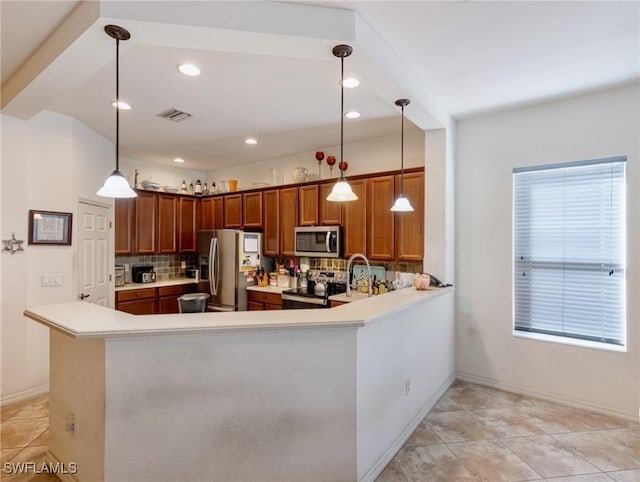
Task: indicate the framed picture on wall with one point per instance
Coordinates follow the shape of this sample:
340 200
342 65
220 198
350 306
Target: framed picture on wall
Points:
50 227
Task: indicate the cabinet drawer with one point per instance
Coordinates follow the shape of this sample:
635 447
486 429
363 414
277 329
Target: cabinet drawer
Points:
176 290
270 298
132 295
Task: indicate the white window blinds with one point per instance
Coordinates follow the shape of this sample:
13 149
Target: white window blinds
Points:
569 250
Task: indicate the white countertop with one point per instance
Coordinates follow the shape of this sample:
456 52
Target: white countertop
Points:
157 284
268 289
81 319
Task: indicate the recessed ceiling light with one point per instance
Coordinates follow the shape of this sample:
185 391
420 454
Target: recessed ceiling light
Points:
250 140
179 160
350 82
189 69
122 105
352 114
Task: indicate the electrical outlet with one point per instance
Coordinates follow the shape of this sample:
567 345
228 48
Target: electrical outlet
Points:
183 264
407 387
48 280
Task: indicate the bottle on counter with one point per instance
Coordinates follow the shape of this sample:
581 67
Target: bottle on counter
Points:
183 187
198 188
190 188
205 190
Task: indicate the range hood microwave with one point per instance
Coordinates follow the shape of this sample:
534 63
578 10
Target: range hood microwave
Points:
319 241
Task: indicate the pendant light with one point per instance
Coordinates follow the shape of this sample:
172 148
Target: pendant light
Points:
402 204
116 185
342 190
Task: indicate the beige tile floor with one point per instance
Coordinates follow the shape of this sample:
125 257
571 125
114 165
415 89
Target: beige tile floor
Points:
474 433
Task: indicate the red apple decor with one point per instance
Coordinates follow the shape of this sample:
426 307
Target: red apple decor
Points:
343 166
319 158
331 160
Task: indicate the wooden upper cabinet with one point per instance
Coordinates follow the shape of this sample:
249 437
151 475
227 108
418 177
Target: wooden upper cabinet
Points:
409 232
233 211
252 210
288 220
308 209
329 212
167 223
146 223
271 222
354 235
380 225
206 213
218 212
188 225
124 220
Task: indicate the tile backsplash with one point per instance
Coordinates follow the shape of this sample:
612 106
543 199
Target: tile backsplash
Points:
165 266
341 264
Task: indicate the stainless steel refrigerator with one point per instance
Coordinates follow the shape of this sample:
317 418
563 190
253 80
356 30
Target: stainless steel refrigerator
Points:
227 260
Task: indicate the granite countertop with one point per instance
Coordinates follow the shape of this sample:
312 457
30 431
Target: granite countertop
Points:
157 284
268 289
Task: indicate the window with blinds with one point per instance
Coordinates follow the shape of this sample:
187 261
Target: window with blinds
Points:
569 250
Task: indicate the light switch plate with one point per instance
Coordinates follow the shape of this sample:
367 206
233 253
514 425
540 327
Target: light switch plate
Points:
49 280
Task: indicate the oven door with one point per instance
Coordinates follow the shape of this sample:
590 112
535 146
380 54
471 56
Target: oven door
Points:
294 302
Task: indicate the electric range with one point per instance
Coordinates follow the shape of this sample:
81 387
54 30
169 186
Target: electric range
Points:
305 297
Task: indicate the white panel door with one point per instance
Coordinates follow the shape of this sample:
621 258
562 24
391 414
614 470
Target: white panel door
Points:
93 254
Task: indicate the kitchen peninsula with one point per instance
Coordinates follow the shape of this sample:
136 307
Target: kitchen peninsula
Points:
270 395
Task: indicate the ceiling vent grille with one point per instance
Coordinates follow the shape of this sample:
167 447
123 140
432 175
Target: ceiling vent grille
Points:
174 115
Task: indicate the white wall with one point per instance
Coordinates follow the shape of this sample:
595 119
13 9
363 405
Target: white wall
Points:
163 175
370 155
587 127
47 162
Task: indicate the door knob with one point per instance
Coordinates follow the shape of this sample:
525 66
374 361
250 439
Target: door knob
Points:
82 296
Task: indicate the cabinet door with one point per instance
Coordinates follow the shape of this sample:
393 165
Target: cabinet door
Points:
252 210
380 228
288 220
308 199
206 213
354 234
218 212
124 218
167 223
233 211
188 225
271 222
409 229
168 305
329 212
146 223
140 307
255 306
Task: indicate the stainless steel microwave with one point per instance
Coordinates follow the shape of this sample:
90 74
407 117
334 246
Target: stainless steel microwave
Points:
319 241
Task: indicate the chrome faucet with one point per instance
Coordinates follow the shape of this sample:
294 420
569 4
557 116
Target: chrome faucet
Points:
358 255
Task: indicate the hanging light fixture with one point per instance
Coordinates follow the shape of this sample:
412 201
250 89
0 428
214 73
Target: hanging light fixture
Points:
116 185
402 204
342 190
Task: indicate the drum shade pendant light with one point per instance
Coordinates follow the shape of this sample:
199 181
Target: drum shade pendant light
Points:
402 204
116 185
342 190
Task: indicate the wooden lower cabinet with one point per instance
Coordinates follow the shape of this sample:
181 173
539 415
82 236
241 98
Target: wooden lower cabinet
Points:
409 226
137 302
333 304
149 301
259 301
168 297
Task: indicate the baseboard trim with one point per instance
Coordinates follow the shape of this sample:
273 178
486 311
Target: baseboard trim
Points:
53 461
23 395
382 462
522 390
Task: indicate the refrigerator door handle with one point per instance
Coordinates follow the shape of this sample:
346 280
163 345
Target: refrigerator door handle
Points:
212 266
217 271
327 241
